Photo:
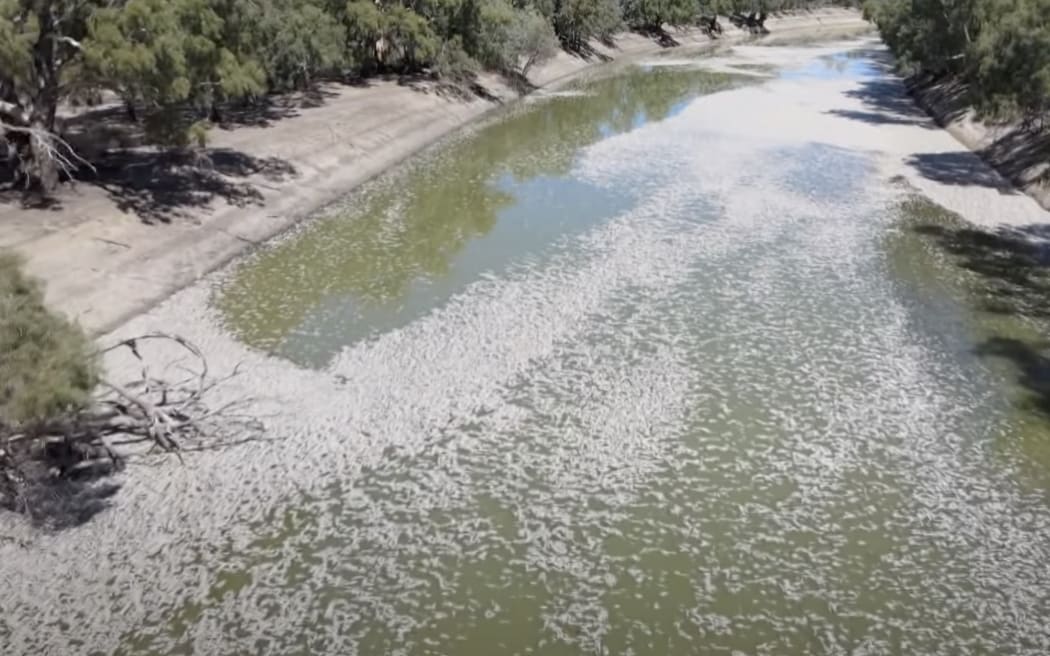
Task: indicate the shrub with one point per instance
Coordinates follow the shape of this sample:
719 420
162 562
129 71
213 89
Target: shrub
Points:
454 64
47 364
533 40
514 40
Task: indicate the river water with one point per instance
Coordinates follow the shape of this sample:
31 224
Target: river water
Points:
651 384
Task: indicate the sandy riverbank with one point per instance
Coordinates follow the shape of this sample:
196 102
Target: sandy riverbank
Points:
110 252
1018 155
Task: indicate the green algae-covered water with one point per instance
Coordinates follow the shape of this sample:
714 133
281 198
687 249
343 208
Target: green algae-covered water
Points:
624 379
409 241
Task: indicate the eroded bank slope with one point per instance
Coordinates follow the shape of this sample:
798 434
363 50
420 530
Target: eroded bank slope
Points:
1018 154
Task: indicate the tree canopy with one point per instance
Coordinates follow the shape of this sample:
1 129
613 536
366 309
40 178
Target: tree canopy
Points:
999 48
46 363
174 63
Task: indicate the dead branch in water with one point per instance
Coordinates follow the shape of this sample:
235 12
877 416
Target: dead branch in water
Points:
166 412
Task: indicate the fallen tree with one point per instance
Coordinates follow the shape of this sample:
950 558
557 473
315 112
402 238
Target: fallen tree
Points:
152 414
65 425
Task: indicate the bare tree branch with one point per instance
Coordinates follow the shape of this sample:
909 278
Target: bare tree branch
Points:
170 416
50 145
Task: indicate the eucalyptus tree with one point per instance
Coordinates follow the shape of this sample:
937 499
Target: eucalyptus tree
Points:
577 21
653 14
162 54
1000 49
40 64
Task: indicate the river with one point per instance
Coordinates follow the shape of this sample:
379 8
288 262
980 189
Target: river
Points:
675 360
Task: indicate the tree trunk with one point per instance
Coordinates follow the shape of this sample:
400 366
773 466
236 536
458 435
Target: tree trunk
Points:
38 166
38 170
44 163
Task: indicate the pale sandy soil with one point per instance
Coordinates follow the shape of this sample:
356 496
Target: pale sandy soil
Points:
107 255
1017 154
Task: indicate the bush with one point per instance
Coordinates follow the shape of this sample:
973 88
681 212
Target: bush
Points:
454 64
496 23
575 21
513 40
533 40
999 48
653 14
47 364
364 28
411 43
301 41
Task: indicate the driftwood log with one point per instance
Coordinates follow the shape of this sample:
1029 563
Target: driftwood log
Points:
165 413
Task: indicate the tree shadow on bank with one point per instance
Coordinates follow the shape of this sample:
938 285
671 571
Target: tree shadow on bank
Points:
885 102
60 504
163 187
961 168
1019 156
1012 265
1020 152
658 35
753 23
58 485
1022 155
116 125
586 51
464 88
1021 149
951 98
272 108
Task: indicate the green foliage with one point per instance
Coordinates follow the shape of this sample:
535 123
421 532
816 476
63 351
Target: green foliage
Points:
655 13
496 22
298 41
47 366
166 54
17 37
365 25
139 49
511 39
408 39
925 33
389 36
454 64
576 21
1012 56
533 40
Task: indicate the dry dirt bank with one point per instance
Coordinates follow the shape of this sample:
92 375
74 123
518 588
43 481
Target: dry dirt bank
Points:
115 248
1019 155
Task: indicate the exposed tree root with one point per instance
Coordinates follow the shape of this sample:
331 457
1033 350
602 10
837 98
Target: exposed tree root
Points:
165 413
